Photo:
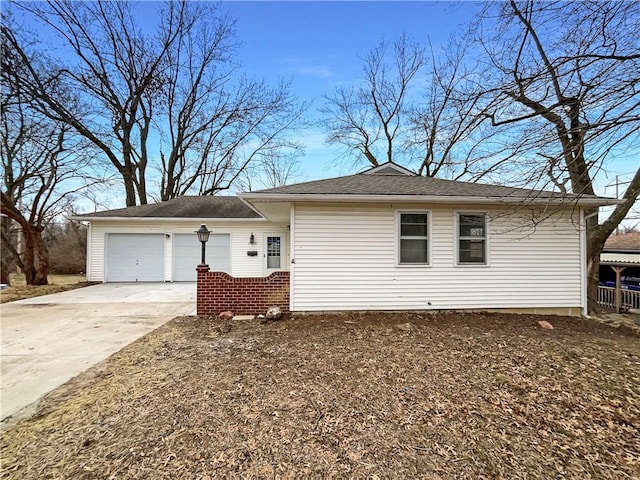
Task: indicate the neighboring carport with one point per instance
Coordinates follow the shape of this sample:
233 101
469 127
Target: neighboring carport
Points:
48 340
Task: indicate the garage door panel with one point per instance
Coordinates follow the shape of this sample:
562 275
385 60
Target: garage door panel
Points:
135 257
187 255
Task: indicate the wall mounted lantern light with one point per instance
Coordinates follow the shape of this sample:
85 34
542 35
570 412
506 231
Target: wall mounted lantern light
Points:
252 239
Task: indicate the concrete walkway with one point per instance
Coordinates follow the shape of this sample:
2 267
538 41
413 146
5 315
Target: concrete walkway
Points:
50 339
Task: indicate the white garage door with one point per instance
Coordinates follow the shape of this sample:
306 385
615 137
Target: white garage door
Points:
135 257
187 254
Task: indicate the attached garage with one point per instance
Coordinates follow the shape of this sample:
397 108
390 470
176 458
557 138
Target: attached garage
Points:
157 242
187 255
134 257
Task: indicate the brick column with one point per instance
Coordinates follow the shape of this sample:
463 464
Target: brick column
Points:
203 289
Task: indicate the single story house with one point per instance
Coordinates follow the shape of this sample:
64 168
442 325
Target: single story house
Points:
383 239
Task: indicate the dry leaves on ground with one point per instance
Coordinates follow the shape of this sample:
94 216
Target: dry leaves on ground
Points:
21 292
388 395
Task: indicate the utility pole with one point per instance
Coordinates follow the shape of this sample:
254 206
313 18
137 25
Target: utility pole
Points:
617 184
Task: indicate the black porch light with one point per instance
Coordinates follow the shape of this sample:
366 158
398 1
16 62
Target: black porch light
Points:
203 236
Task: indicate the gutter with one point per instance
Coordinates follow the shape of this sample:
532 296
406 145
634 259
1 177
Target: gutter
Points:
438 199
89 218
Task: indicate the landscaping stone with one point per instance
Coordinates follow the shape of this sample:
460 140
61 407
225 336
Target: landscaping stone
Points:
546 325
274 313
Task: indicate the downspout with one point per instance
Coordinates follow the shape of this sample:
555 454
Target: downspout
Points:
583 260
87 267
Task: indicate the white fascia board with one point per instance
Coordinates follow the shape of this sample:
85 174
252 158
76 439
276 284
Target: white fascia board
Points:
328 197
164 219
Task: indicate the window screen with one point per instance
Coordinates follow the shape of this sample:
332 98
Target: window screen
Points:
472 238
414 238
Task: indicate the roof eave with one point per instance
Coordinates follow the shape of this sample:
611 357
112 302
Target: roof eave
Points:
83 218
443 199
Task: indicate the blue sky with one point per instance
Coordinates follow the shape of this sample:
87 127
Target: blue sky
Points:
317 45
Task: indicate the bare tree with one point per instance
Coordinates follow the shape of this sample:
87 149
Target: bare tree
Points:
6 257
179 85
566 78
448 132
43 165
239 127
67 244
112 66
270 171
214 122
369 118
419 108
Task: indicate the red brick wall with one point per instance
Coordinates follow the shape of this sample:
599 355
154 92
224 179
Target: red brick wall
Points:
218 292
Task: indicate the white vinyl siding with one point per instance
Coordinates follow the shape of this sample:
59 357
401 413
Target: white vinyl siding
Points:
241 265
345 259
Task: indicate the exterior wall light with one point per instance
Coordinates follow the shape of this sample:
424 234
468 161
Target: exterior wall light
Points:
252 239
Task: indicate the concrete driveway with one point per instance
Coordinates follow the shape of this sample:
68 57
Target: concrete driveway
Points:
48 340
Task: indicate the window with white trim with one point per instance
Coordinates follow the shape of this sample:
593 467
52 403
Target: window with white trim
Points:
472 239
413 248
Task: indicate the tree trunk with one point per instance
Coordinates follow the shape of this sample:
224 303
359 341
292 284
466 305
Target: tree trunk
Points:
35 261
42 263
5 272
36 256
5 254
128 176
594 248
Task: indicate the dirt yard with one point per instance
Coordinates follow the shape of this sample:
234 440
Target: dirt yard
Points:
57 283
374 395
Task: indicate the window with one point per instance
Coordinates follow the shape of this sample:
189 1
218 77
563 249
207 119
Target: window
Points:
414 238
472 239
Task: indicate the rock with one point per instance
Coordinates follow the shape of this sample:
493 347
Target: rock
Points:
546 325
225 315
274 313
405 327
260 317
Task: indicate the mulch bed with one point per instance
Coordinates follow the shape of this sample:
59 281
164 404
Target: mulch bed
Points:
359 395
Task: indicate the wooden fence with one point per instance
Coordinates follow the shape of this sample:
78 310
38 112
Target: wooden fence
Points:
628 298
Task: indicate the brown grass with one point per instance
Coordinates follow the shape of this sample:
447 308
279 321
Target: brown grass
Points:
57 283
364 396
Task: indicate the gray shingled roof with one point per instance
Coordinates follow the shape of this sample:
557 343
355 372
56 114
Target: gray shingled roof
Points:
184 207
381 184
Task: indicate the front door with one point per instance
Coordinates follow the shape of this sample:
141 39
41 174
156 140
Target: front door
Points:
275 252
